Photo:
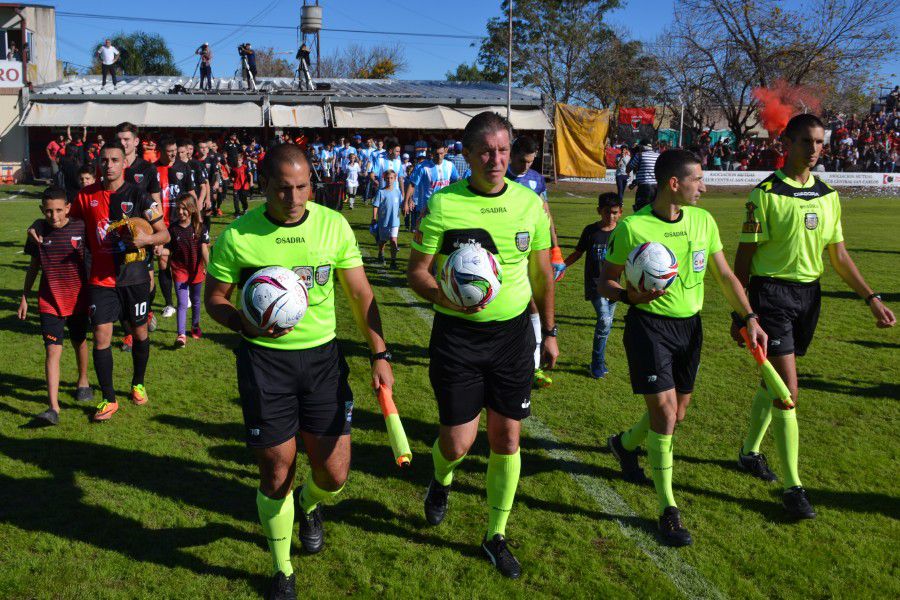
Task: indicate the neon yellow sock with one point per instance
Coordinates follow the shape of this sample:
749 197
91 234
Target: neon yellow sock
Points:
443 468
311 495
760 416
277 519
502 481
659 451
787 442
635 436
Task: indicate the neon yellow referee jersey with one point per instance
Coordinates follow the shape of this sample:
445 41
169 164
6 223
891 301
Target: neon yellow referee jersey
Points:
791 223
319 243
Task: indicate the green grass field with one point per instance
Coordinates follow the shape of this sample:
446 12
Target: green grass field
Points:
159 502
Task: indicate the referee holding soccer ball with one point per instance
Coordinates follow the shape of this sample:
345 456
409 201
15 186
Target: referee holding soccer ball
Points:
483 357
663 333
295 381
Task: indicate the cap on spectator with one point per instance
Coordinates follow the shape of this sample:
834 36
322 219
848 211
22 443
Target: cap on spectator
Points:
458 146
405 155
357 137
421 144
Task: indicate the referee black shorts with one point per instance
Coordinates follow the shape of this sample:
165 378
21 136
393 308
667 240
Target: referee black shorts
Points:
663 352
287 391
788 312
478 365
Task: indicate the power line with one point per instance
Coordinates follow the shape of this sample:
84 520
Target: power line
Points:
251 26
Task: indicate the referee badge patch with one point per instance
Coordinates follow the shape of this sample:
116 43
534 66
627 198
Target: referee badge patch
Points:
322 274
523 240
699 260
811 221
306 275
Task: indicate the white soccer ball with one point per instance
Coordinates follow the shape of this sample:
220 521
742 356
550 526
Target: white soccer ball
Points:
651 266
274 297
471 276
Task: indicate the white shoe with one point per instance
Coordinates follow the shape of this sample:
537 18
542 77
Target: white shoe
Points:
168 312
189 303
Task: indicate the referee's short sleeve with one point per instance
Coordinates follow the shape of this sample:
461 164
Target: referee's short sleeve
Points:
620 245
542 239
348 255
222 259
838 235
755 227
431 232
715 241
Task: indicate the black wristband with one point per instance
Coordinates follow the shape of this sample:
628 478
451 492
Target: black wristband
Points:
552 332
739 320
871 297
234 322
623 297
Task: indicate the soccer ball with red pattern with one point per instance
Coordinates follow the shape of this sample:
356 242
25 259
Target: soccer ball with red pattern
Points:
471 276
274 297
651 266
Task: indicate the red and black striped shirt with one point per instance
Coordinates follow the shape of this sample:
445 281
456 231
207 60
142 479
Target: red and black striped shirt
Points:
63 290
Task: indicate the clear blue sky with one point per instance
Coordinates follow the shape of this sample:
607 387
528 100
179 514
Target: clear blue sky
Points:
428 58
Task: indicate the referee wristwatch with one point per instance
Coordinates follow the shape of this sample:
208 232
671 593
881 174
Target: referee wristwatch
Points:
552 332
384 355
873 296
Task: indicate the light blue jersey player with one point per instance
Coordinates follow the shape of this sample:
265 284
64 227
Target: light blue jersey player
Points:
391 161
427 177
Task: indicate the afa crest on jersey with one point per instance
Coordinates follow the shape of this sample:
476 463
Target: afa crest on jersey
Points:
811 221
523 240
322 274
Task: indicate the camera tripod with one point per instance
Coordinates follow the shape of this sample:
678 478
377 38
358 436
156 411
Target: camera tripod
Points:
304 79
245 67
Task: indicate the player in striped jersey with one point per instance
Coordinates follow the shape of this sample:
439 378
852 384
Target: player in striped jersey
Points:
62 298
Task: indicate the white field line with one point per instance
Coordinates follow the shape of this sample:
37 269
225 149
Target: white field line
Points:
687 579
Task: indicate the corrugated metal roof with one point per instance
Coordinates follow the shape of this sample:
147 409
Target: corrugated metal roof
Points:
89 87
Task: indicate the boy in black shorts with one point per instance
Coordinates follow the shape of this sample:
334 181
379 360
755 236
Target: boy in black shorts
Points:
62 295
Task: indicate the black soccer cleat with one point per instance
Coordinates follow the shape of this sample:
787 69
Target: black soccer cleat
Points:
628 461
48 417
796 503
436 500
84 394
282 587
756 464
672 530
312 532
497 551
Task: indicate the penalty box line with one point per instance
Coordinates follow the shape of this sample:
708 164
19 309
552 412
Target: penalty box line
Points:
690 582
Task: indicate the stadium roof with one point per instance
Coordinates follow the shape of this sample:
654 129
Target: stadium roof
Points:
281 89
346 103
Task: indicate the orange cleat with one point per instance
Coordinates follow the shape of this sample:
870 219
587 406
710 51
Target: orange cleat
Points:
105 411
139 394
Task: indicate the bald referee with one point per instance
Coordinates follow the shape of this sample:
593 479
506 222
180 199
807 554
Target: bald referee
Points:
792 217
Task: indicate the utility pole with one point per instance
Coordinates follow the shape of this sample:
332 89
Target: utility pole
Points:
509 68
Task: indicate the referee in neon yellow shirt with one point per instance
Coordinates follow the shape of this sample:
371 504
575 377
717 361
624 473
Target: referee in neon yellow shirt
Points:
792 217
484 358
663 332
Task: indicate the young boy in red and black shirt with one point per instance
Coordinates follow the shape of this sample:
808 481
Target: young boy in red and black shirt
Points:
242 180
62 297
119 281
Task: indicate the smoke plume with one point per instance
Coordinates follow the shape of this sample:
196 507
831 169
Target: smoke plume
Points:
781 101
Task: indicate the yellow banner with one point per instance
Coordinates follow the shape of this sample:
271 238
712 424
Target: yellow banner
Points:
580 141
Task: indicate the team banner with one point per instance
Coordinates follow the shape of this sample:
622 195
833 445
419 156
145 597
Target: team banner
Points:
580 140
636 124
751 178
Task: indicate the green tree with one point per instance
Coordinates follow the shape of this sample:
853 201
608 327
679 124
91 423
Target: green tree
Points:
361 62
469 73
142 53
554 42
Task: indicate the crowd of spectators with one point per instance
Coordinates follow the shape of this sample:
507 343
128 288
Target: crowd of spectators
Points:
867 144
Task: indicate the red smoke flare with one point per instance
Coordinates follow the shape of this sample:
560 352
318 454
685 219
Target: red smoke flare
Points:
781 101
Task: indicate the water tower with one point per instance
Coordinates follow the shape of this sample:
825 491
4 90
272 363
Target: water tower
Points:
310 26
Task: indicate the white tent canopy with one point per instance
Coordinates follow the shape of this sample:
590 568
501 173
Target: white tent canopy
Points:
300 115
147 114
431 117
